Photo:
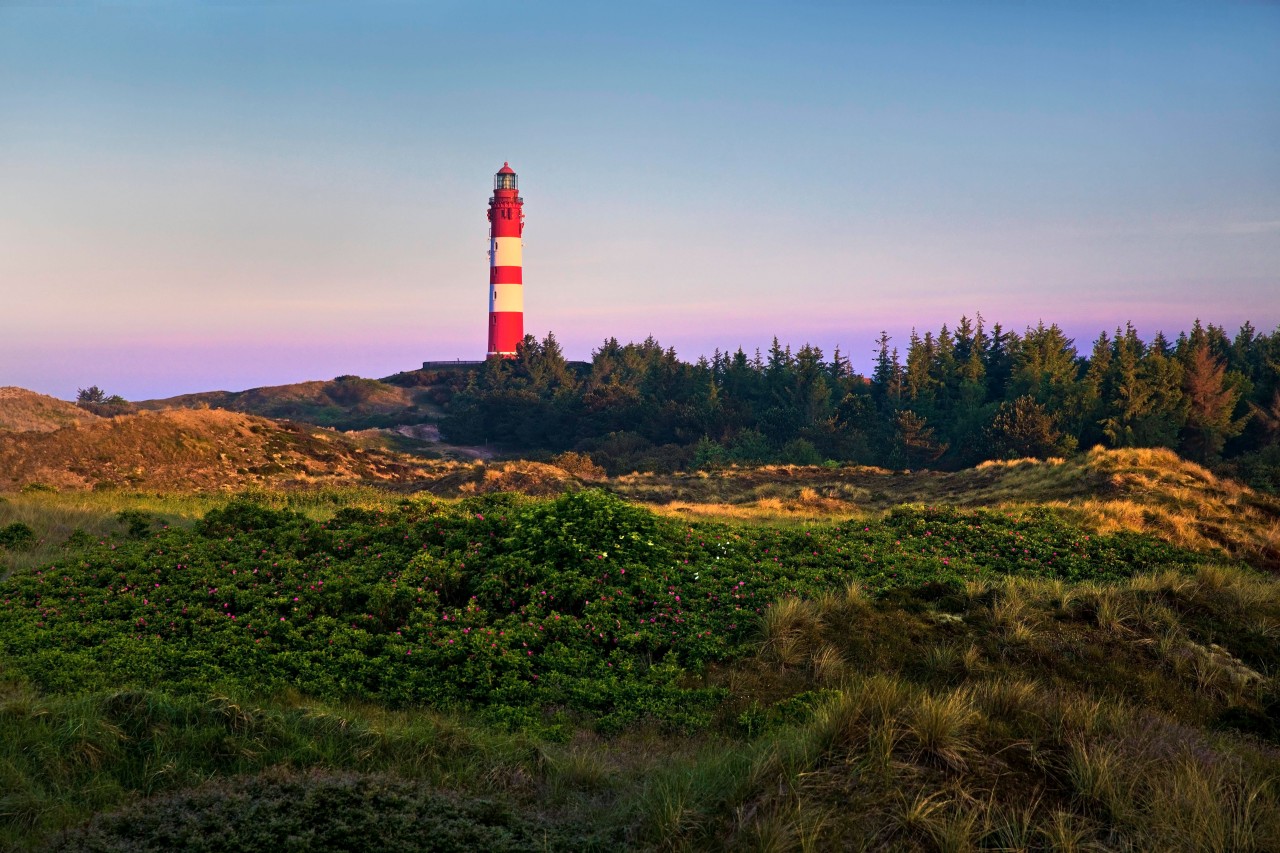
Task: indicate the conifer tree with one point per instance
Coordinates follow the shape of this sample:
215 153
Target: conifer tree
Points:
1094 389
998 362
1129 394
886 378
919 445
1023 428
1163 375
1210 402
918 379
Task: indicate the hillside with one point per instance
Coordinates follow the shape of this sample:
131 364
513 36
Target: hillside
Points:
26 411
1151 491
194 449
779 657
581 673
347 402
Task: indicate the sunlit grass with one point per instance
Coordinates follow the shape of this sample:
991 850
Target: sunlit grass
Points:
1141 490
55 517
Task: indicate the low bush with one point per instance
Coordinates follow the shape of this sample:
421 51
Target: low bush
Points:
17 536
314 812
537 613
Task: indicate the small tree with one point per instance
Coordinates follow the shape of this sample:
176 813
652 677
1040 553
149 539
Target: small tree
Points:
579 465
1025 428
708 454
1211 404
92 394
917 439
800 451
750 447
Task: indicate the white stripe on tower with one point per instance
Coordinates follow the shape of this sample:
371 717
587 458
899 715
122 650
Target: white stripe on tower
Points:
506 297
506 252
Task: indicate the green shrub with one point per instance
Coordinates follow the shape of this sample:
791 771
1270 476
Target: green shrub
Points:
17 536
138 522
314 812
582 605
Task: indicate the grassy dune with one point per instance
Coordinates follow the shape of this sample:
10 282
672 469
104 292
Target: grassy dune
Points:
183 450
1152 491
348 402
26 411
1083 656
987 732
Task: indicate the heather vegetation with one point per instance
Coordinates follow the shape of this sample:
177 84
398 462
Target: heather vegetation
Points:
578 672
948 400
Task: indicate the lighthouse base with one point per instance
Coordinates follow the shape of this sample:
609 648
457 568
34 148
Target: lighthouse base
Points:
506 331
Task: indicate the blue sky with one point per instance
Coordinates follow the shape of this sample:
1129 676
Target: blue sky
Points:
223 195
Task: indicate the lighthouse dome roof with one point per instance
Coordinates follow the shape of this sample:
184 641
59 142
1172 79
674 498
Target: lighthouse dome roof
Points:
506 169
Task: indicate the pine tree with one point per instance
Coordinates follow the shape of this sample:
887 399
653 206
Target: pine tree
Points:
918 442
812 394
1211 404
1096 388
944 372
1130 396
1045 368
886 378
920 356
1163 375
1023 428
971 353
998 362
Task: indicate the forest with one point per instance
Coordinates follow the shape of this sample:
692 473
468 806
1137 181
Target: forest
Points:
955 398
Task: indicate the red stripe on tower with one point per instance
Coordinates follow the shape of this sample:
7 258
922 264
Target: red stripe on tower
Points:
506 265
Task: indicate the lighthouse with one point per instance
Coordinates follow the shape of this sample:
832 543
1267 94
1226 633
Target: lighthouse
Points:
506 282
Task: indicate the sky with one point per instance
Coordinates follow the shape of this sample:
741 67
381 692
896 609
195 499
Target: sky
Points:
199 196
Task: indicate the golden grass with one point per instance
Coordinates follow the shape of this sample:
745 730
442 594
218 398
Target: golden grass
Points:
939 727
195 450
928 770
529 478
26 411
1140 490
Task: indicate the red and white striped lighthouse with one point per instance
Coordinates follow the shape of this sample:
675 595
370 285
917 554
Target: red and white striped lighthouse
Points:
506 281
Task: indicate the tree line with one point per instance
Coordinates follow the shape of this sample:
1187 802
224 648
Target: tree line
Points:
954 398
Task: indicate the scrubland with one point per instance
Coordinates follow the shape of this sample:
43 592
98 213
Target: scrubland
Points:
1075 654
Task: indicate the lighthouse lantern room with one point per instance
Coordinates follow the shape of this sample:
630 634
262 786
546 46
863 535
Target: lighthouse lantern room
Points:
506 280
